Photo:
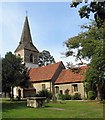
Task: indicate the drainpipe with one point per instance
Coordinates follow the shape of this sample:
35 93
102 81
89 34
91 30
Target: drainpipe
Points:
53 93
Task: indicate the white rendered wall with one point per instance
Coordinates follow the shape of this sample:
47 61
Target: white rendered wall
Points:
31 65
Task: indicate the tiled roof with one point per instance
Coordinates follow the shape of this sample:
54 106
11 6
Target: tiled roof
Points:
43 73
84 67
67 76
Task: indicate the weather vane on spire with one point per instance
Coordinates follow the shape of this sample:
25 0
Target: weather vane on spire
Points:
26 13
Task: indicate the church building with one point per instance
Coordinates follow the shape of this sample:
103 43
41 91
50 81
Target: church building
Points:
28 52
54 77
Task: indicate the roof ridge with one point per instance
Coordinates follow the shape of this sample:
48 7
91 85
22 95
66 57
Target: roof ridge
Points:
48 65
67 76
44 73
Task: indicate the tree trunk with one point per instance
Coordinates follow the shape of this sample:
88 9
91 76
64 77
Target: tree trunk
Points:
5 94
98 93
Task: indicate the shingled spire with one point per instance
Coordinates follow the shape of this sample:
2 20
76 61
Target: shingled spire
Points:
26 36
26 40
26 49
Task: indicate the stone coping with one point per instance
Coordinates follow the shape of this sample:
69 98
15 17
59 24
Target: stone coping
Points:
36 98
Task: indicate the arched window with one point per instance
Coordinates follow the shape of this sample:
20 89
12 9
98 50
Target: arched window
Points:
57 89
75 87
31 58
18 55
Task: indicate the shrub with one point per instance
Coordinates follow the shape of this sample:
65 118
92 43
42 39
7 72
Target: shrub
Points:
91 95
59 96
44 93
67 91
65 97
76 96
62 97
68 97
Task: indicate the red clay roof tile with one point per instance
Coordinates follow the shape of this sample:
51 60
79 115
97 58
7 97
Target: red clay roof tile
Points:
67 76
43 73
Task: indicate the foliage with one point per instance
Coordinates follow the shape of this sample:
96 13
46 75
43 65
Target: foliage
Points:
90 80
64 97
13 73
95 76
24 83
76 96
10 71
93 49
95 7
45 58
90 46
91 95
45 93
86 44
70 65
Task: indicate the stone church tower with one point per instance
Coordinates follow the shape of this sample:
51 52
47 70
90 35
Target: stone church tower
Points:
26 50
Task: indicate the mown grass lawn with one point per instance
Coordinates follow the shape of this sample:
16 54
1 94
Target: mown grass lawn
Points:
66 109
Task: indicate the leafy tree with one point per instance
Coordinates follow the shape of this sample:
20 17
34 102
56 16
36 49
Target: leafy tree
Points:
70 65
91 95
13 73
84 44
95 7
45 58
95 76
24 83
92 43
92 48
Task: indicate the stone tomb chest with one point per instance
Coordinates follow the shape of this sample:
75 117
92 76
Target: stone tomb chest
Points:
36 101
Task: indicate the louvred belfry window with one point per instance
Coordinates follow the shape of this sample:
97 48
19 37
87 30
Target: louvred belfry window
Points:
31 58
